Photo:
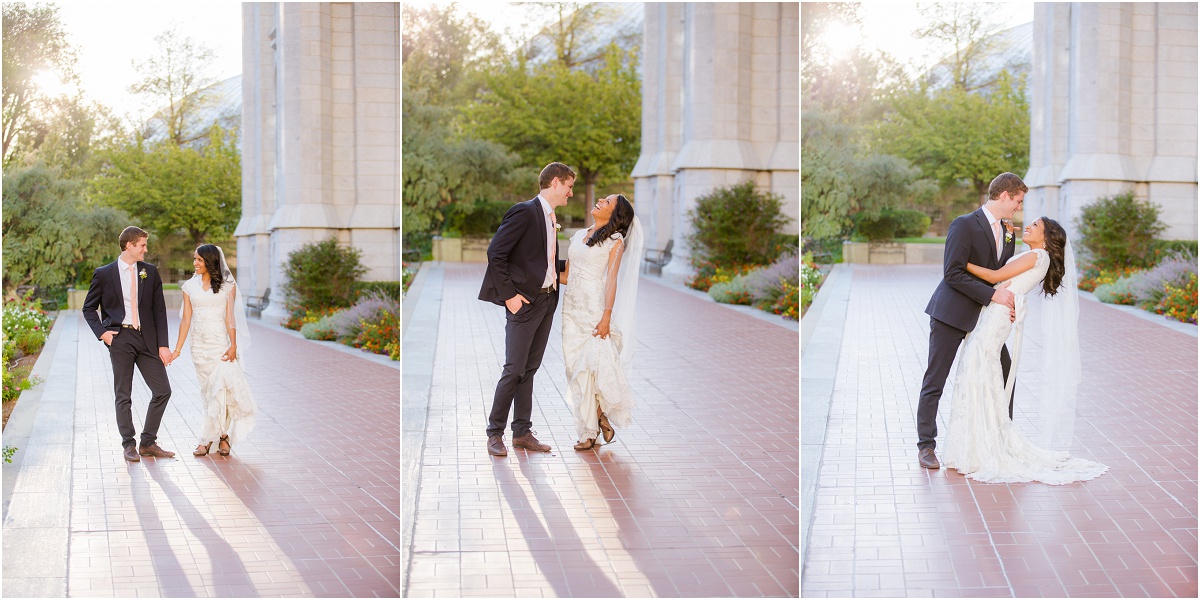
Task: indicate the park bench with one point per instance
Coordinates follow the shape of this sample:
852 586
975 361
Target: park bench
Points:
659 258
256 304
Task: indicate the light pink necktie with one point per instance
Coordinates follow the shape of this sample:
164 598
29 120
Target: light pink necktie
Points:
133 302
552 238
996 231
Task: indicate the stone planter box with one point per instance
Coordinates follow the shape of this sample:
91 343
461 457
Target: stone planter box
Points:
892 253
469 249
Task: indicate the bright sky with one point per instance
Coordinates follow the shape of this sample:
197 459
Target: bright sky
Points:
888 26
110 36
506 18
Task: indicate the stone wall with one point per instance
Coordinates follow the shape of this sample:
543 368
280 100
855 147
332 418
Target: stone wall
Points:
321 136
720 105
1114 109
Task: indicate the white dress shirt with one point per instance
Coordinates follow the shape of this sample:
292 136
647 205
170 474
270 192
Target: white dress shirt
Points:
127 272
551 279
992 224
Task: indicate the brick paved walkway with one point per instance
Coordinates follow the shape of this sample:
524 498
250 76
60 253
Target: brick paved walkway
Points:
698 498
307 506
885 527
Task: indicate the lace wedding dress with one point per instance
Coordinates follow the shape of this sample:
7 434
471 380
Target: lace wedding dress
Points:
228 405
982 442
595 375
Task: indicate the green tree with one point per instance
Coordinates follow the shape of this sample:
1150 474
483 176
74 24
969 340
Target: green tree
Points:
74 135
840 179
970 28
575 31
1119 231
953 134
737 225
446 53
51 237
550 112
176 189
34 45
443 169
176 76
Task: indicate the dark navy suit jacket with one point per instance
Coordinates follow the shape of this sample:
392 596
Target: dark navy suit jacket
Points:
960 295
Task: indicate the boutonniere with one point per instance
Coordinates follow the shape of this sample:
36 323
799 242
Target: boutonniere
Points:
557 227
1008 231
142 274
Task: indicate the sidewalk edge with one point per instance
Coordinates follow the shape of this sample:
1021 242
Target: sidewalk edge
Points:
820 351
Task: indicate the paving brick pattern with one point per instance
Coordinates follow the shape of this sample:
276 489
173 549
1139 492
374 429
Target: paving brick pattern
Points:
307 506
699 497
884 527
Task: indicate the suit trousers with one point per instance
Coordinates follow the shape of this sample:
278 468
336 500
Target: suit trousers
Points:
127 350
525 335
944 341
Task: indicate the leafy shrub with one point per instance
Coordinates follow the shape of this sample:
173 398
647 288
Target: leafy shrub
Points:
407 277
302 316
391 289
25 326
1150 285
321 330
788 304
348 324
1119 231
810 281
322 274
733 291
381 335
1117 292
1179 303
891 223
16 380
1164 248
736 225
480 218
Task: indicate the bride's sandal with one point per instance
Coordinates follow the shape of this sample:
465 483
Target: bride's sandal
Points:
606 429
587 445
202 449
223 448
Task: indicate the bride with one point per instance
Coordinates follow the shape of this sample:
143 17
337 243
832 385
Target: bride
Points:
597 319
214 314
983 443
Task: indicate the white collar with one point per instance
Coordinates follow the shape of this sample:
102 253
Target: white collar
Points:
991 218
546 208
126 266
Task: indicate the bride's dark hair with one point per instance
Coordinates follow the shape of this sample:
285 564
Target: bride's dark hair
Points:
1056 247
619 222
212 262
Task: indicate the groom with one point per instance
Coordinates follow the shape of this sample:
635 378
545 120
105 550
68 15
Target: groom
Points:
132 322
980 238
522 275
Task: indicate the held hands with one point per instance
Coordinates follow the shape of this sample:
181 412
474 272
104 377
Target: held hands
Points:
514 304
166 356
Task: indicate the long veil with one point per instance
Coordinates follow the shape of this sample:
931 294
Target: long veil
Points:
239 306
1061 368
624 306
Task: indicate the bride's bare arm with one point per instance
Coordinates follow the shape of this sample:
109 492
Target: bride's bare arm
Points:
1006 272
610 287
231 325
562 276
185 325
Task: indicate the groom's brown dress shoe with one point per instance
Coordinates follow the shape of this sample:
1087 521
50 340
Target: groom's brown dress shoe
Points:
928 459
529 442
131 454
156 451
496 447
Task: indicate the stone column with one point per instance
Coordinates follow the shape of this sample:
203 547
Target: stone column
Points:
257 147
1172 172
1049 90
783 159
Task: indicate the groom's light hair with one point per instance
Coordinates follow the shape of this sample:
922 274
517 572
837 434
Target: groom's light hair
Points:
1006 182
552 171
131 235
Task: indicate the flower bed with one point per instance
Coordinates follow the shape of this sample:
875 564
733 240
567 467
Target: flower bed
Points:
373 324
1167 288
25 327
774 288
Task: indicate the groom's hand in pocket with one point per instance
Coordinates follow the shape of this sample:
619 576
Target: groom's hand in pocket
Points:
107 337
514 304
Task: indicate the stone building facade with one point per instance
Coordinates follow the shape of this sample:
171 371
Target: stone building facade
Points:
720 105
320 136
1114 109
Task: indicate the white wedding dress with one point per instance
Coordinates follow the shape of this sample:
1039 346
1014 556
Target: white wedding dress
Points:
228 405
982 442
595 375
